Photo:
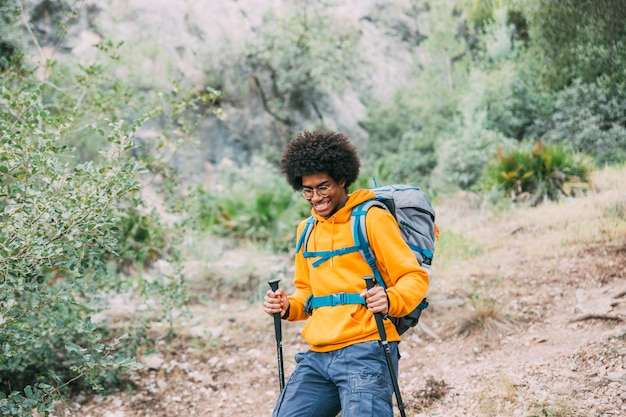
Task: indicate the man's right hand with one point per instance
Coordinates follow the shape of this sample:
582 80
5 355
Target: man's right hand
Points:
276 302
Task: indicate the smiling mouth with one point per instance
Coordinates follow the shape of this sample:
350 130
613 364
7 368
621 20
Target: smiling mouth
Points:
325 205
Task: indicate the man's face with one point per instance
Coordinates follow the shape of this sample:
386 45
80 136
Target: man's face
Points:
325 195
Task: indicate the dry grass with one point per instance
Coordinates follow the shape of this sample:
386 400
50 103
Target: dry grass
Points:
484 318
221 269
497 397
423 398
481 248
561 408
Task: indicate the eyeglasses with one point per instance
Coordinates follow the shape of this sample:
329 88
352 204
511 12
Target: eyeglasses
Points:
323 191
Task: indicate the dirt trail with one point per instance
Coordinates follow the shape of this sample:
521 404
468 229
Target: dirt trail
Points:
531 323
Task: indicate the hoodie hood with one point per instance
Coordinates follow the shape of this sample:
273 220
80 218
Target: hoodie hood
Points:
343 214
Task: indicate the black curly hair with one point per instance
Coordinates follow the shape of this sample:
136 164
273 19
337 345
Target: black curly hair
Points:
320 151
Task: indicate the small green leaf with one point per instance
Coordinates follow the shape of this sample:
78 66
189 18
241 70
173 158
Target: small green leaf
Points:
72 347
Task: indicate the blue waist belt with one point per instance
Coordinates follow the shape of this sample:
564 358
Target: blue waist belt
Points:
332 300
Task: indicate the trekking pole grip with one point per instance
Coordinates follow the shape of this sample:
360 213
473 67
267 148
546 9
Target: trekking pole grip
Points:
273 283
369 284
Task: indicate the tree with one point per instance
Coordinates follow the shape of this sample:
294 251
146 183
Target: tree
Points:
577 39
301 52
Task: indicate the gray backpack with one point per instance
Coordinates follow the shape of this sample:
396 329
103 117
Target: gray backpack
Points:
412 209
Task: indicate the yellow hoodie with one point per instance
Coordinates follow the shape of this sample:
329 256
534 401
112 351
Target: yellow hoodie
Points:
334 327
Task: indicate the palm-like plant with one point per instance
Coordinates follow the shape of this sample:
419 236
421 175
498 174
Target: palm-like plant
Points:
538 173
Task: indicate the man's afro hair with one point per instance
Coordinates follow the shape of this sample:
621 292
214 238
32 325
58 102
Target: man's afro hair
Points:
319 151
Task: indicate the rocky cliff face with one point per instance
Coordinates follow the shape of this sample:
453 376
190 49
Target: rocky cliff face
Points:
202 42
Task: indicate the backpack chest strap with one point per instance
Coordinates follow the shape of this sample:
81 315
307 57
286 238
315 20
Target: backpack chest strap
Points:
332 300
326 255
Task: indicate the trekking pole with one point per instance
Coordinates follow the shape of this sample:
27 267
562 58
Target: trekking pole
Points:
279 337
369 283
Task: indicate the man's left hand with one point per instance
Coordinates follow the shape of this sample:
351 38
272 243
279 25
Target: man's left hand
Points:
376 300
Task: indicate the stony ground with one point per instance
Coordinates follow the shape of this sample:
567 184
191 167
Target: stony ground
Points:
527 318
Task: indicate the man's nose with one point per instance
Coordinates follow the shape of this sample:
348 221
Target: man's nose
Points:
316 195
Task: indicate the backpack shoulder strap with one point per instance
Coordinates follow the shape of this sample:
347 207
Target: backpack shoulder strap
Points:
306 233
359 233
322 256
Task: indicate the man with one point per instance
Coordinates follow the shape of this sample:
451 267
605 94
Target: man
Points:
345 369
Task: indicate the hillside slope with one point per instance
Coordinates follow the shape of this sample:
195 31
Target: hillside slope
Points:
527 318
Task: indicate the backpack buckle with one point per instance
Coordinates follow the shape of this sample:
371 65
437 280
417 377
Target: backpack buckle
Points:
308 308
338 299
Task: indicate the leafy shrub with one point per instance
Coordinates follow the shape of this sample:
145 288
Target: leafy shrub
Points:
9 40
539 172
65 224
591 48
253 203
57 234
591 118
142 239
400 147
462 158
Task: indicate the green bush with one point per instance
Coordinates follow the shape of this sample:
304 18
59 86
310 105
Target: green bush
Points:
58 231
142 239
63 225
401 147
591 118
539 172
10 41
591 48
67 225
463 157
250 203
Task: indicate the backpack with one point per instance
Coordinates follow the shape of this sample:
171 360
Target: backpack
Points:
413 211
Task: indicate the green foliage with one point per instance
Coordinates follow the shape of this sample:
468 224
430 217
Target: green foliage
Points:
591 118
464 157
58 230
303 51
539 172
10 45
479 12
443 128
104 96
142 239
503 83
68 223
592 47
399 148
252 203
